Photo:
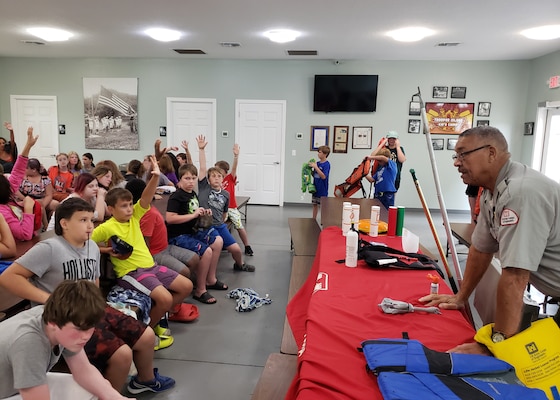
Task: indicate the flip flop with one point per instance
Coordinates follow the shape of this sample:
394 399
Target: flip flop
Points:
218 285
205 298
185 313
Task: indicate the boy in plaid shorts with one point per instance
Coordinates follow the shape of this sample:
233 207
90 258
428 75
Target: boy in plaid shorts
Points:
228 184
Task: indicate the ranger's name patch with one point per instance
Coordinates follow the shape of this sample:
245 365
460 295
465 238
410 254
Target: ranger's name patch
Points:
508 217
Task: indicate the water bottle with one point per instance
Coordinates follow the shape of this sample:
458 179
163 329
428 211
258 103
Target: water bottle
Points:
351 247
374 221
346 211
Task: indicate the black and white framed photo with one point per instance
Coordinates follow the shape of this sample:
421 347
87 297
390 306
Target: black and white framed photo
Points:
528 128
458 92
163 131
414 108
484 109
413 126
62 129
439 92
437 144
451 143
483 122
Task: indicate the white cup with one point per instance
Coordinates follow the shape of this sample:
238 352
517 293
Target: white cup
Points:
410 241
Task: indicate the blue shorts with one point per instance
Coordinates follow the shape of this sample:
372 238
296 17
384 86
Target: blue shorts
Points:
145 280
190 243
207 236
223 231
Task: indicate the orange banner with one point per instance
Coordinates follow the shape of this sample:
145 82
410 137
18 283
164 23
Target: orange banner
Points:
449 118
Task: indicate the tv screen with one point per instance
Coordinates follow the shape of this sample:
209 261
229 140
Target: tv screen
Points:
350 93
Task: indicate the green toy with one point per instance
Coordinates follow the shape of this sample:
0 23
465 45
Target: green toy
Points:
307 178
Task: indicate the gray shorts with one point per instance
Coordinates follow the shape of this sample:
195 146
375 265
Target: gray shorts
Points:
175 257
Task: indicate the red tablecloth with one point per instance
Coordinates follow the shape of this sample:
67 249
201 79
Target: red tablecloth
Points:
336 309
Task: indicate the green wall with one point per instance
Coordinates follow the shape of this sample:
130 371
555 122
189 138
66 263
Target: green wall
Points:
511 87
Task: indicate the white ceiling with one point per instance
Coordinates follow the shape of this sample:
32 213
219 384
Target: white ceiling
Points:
338 30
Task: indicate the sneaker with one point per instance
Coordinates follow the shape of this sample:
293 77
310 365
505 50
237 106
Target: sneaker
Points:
163 342
248 251
159 384
245 267
161 331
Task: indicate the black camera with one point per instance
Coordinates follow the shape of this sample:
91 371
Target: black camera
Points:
120 246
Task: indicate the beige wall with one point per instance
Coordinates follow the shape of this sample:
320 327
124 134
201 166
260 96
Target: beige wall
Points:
513 87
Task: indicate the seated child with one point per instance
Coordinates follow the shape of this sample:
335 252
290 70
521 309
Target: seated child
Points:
216 199
33 341
182 214
138 270
228 184
117 339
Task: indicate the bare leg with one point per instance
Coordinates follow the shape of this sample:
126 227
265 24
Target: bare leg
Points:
118 366
243 236
315 210
216 249
235 252
163 301
202 272
143 354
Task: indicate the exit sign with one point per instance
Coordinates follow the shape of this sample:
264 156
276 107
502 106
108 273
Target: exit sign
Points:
554 82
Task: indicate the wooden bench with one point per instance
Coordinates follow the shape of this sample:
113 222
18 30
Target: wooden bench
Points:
304 235
276 377
301 265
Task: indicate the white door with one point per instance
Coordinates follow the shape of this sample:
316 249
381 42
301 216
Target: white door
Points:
550 160
188 118
40 112
260 129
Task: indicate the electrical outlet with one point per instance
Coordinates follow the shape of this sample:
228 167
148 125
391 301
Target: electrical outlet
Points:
225 133
299 136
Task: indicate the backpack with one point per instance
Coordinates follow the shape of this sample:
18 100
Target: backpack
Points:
354 182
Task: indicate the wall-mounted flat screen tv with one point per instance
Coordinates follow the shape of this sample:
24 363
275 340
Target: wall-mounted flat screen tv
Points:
346 93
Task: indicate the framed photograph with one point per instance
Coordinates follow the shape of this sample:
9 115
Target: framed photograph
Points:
451 144
62 129
361 137
319 137
414 108
458 92
484 109
340 141
528 128
483 122
439 92
413 126
163 131
437 144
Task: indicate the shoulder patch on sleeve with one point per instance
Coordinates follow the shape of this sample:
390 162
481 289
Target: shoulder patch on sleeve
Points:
508 217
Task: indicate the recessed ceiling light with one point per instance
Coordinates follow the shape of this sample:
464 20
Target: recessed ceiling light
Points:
282 35
50 34
163 35
547 32
411 34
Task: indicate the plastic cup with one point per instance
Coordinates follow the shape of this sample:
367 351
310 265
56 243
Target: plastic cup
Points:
410 242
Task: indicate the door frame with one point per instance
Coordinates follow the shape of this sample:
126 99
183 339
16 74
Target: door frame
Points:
20 132
282 103
172 140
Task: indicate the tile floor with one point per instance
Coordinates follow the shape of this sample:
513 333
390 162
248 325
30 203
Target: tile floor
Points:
221 355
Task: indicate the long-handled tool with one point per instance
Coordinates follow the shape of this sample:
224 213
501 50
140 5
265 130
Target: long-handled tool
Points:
434 233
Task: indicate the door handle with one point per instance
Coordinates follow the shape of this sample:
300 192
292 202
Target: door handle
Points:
276 162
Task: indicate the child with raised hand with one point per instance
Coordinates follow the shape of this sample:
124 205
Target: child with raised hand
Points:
183 212
20 216
216 199
137 270
228 184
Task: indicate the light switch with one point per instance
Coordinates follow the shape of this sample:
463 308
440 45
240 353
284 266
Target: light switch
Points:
293 153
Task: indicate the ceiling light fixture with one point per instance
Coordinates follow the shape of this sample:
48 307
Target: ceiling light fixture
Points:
547 32
50 34
163 35
411 34
282 35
